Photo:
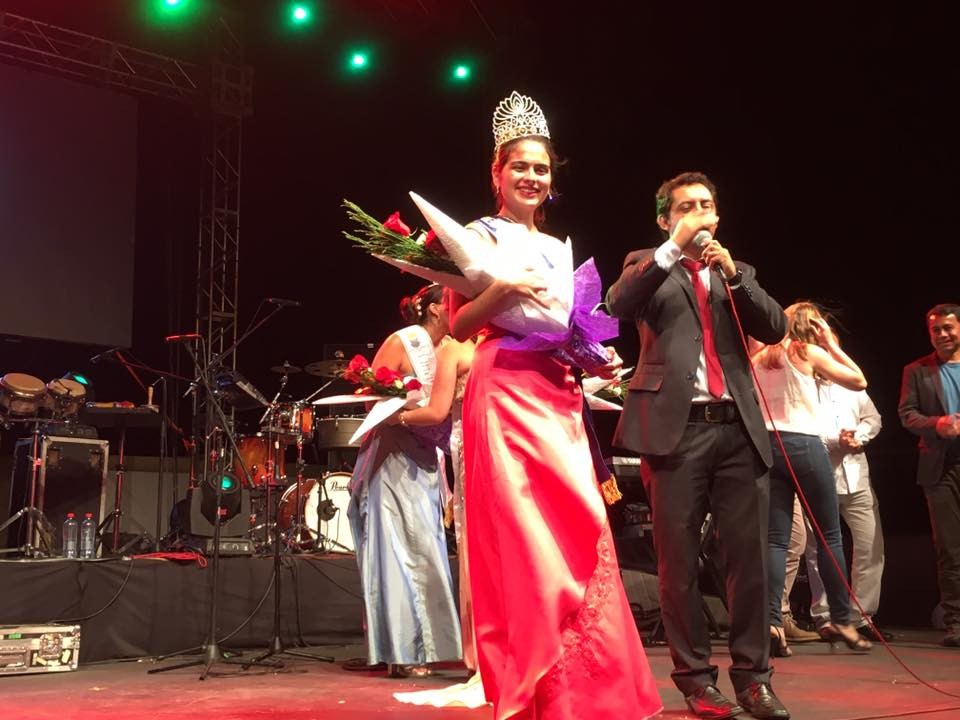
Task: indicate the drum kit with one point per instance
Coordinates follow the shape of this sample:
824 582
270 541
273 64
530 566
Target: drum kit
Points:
310 512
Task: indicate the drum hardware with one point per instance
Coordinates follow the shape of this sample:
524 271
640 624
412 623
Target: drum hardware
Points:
274 421
39 541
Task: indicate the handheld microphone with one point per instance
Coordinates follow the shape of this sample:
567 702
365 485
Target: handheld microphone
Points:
184 337
283 302
702 238
105 354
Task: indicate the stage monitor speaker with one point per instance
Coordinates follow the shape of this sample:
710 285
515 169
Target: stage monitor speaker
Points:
235 509
71 477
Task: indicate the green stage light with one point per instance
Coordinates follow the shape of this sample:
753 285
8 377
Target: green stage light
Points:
170 12
300 14
461 72
359 60
228 483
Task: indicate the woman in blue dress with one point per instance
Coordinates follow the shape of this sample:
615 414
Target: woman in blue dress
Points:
396 514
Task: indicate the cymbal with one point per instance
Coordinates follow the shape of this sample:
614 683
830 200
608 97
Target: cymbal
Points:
285 369
326 368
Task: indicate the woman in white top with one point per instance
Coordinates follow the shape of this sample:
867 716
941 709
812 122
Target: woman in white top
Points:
789 373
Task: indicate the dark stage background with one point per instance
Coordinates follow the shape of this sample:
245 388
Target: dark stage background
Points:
823 125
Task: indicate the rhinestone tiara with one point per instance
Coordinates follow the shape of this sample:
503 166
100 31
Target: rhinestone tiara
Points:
518 116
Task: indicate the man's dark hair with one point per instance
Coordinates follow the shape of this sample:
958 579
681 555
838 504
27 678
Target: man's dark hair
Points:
942 310
665 193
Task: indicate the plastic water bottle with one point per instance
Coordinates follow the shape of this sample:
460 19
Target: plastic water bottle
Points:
71 531
88 537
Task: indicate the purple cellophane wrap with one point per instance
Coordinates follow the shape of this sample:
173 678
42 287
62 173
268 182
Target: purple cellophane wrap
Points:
580 345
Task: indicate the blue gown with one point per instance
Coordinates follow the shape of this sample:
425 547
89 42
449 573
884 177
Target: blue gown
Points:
396 517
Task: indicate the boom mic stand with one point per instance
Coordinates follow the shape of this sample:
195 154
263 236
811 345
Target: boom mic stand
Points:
276 646
211 649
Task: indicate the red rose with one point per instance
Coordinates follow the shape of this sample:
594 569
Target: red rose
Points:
432 244
358 363
396 224
385 375
413 384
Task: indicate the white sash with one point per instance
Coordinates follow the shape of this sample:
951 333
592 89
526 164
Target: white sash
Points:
420 351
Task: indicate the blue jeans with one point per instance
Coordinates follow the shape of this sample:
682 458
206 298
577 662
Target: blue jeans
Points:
809 460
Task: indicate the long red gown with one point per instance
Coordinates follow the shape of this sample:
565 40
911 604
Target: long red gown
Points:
554 631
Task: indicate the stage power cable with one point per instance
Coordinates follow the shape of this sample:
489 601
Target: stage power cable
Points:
813 522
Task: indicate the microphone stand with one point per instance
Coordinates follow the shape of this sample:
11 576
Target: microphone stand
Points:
211 649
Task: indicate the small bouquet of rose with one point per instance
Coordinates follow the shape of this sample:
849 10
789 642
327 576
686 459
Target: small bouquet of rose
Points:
388 389
604 394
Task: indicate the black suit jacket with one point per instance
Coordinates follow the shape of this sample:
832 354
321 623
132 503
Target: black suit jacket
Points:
664 307
921 405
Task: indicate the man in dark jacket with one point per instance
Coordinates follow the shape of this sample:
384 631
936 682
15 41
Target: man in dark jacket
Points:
930 408
692 414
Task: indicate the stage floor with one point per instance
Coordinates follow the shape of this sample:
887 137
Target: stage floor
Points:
814 684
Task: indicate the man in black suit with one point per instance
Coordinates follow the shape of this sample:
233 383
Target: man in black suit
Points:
930 408
692 414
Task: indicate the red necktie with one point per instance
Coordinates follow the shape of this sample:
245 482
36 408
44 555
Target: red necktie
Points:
701 291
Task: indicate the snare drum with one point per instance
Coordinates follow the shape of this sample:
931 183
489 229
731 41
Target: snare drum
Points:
65 397
256 455
21 395
335 491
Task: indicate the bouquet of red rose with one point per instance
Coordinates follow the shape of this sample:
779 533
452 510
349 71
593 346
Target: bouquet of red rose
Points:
382 382
395 243
388 389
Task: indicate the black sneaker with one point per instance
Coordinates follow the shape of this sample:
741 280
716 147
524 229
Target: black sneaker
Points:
867 634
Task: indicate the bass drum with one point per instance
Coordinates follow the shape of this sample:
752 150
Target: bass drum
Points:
329 512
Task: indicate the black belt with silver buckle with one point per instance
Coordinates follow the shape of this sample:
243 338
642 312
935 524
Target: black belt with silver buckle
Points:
721 412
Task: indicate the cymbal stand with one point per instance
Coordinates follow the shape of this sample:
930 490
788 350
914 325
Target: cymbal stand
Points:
33 509
211 649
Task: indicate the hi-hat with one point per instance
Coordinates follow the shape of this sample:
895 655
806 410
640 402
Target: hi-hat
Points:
326 368
285 369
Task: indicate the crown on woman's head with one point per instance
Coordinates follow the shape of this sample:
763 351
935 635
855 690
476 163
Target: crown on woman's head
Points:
518 116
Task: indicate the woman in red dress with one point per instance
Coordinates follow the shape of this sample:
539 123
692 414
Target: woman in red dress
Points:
555 634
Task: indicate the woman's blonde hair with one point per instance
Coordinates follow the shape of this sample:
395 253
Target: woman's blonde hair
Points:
800 332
